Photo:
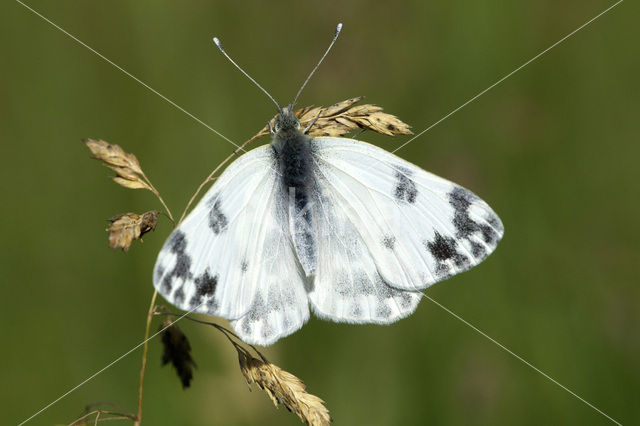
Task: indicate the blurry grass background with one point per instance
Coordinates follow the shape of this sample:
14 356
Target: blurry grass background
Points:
554 149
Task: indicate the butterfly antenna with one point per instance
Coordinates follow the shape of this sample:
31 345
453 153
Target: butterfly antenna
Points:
335 37
216 40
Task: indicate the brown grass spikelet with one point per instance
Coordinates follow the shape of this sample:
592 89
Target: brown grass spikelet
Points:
284 388
127 227
126 165
345 117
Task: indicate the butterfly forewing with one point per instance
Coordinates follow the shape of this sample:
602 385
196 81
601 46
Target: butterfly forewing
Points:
230 257
418 228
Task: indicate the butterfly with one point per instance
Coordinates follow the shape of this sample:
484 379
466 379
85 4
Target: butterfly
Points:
332 225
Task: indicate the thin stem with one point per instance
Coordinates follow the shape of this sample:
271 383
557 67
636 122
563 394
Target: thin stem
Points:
98 412
210 177
169 217
144 356
157 194
225 331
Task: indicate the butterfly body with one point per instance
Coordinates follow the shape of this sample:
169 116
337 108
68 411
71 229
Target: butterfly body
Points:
294 162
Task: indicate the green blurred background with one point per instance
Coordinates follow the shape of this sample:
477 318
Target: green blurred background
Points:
553 149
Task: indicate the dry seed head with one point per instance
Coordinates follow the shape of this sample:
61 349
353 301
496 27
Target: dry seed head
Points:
284 388
126 165
113 155
127 227
343 118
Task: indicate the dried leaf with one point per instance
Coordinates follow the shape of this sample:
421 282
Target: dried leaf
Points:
346 117
284 388
127 227
177 350
126 165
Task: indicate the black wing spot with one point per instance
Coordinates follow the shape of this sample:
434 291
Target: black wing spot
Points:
166 284
461 261
389 241
182 269
258 309
488 234
446 248
205 288
405 299
178 296
443 270
159 272
178 242
405 189
494 221
244 266
478 250
217 220
461 199
442 248
383 311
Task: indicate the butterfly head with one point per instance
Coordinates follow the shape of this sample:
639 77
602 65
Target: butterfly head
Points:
286 123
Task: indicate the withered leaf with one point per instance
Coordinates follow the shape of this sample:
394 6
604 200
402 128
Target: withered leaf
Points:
127 227
346 117
126 165
177 351
284 388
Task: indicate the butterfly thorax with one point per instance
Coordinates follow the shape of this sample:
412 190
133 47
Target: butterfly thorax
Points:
293 154
292 149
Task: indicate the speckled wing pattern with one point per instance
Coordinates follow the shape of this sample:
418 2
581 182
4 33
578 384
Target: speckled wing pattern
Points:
347 286
407 225
232 258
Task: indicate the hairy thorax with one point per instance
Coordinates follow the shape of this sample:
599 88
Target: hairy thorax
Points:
294 157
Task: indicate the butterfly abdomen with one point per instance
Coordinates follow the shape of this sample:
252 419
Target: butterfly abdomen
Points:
293 152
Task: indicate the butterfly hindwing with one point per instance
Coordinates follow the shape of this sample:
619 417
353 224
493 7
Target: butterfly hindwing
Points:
280 306
418 228
347 287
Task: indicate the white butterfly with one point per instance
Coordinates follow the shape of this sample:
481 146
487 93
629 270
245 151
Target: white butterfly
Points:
332 224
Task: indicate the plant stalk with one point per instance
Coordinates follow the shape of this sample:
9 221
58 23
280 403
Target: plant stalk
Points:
145 349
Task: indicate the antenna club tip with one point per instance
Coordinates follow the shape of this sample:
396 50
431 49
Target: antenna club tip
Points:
339 28
216 40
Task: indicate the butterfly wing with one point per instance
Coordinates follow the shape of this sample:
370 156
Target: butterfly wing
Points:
231 256
347 286
417 227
